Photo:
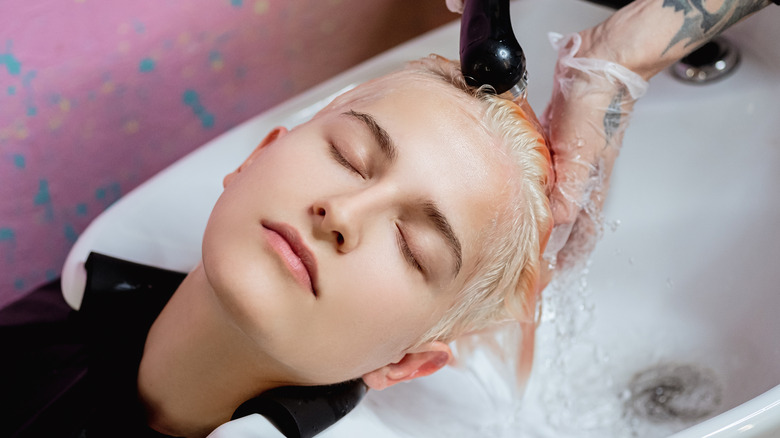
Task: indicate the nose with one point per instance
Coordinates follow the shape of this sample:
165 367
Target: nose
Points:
342 219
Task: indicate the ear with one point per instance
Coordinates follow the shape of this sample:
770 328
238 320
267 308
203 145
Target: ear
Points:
422 361
275 134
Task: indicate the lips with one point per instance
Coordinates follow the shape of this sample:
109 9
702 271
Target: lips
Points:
297 257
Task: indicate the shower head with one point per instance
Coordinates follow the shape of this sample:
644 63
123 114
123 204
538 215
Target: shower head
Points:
489 51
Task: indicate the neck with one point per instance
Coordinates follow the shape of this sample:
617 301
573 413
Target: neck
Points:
197 366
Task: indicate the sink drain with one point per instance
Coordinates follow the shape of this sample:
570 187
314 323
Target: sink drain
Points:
712 61
674 392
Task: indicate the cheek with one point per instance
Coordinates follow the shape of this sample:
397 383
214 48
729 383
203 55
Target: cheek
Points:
290 179
282 169
381 302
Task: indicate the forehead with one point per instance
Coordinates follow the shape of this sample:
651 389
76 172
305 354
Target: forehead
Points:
436 114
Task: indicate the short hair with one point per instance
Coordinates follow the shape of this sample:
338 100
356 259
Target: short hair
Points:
502 286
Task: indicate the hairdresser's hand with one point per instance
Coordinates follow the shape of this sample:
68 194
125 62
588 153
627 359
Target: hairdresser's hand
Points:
586 118
600 74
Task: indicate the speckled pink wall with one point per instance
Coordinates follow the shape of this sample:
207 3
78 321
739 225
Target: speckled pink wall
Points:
97 96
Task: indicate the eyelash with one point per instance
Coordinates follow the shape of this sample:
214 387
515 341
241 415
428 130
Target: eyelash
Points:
407 252
339 157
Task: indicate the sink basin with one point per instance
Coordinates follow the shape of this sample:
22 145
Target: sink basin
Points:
684 282
679 304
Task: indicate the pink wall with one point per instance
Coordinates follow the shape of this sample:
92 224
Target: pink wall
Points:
97 96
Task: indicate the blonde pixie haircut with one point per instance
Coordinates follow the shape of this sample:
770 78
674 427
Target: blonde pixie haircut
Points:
504 284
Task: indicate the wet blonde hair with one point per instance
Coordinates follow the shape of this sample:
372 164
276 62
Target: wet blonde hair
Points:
504 282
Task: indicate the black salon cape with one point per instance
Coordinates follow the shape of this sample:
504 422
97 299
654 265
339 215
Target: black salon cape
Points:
73 374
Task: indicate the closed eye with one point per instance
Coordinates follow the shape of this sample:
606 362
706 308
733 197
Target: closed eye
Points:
339 157
408 254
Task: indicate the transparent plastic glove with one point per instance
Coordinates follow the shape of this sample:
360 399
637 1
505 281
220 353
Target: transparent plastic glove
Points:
586 118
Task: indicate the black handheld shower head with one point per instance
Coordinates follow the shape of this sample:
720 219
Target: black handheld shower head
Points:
489 51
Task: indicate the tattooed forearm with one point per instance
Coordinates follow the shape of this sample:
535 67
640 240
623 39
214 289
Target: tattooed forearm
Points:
700 25
612 116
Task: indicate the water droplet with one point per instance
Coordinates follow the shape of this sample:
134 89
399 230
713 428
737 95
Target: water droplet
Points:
614 225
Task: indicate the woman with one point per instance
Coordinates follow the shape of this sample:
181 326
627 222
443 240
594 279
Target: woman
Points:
354 247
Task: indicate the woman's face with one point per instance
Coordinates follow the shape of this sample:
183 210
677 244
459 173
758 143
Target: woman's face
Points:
336 246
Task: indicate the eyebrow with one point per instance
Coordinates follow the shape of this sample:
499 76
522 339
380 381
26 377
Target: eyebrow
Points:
430 209
442 225
381 136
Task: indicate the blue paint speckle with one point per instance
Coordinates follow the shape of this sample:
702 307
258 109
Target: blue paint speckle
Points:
51 275
192 100
7 235
108 193
70 234
207 120
19 161
42 197
146 65
236 3
12 64
28 77
115 189
11 90
81 209
19 284
32 111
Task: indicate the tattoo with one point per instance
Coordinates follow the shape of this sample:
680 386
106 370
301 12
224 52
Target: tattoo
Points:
700 25
612 117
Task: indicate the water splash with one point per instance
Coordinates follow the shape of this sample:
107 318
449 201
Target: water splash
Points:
580 390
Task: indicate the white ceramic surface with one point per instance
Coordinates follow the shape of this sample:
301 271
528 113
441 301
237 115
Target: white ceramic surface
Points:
689 276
